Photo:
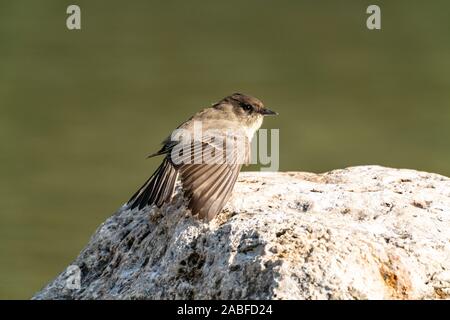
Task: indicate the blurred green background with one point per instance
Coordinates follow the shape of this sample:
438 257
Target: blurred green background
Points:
79 110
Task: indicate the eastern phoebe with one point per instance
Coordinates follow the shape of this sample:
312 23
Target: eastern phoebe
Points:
209 161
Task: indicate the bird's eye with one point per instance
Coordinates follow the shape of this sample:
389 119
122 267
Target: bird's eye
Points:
247 107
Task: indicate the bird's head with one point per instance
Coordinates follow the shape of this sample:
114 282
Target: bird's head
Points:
247 109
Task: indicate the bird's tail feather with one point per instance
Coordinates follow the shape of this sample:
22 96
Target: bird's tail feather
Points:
157 189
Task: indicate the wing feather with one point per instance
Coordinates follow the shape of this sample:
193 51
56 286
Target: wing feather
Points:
215 198
209 185
157 189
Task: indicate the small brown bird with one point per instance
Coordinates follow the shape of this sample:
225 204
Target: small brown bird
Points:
208 161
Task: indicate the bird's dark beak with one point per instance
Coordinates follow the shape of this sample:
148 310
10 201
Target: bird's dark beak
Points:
267 112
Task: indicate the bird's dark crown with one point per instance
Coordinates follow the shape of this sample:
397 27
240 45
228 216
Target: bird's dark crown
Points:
240 100
244 105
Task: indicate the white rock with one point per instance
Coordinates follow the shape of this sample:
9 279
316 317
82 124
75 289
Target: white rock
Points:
358 233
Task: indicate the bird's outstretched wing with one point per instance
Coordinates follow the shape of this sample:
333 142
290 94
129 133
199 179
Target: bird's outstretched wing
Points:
208 168
208 187
208 184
